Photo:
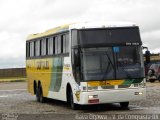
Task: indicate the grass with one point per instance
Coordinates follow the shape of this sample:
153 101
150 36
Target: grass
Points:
13 79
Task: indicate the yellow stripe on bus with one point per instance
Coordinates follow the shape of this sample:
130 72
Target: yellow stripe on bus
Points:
105 83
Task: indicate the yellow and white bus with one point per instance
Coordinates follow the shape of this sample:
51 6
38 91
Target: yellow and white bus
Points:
87 63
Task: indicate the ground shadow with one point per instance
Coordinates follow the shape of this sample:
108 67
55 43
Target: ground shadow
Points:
88 108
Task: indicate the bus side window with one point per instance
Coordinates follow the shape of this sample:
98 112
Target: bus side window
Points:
43 47
50 46
53 45
59 44
34 49
67 42
46 46
28 49
31 49
64 44
37 48
40 47
56 45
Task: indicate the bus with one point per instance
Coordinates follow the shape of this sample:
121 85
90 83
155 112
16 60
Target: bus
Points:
87 63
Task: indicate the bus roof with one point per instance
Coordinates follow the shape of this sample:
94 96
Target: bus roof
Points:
83 25
49 32
105 24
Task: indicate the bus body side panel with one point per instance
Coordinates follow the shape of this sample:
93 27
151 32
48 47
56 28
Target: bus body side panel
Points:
64 78
52 73
39 70
30 79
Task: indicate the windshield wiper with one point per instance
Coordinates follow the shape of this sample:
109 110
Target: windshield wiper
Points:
114 68
110 63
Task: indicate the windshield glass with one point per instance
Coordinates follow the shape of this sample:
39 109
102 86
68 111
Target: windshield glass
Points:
97 63
128 62
111 63
112 36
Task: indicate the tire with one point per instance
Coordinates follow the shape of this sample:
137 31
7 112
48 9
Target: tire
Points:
39 94
42 99
152 80
35 87
124 104
72 104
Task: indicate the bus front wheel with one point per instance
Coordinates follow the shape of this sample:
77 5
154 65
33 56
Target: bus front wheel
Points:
72 104
124 104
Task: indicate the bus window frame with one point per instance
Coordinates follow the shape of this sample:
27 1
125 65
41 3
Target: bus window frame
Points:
55 53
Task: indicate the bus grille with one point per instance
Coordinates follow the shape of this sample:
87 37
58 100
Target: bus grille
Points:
108 87
124 86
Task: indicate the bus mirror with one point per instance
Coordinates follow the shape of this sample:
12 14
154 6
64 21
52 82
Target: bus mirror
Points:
147 56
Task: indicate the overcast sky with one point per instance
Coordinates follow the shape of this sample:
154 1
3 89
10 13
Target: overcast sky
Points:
22 17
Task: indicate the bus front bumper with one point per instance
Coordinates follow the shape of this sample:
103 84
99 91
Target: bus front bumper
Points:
111 96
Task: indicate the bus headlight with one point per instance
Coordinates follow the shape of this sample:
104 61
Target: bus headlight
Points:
92 96
138 93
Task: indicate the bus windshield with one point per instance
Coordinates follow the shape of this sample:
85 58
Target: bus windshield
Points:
106 63
109 37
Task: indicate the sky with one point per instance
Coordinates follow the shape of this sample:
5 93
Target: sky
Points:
19 18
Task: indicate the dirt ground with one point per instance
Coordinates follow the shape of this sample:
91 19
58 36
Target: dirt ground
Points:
15 100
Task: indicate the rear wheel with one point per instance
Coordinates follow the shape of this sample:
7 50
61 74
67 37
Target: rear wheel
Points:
39 94
35 87
124 104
